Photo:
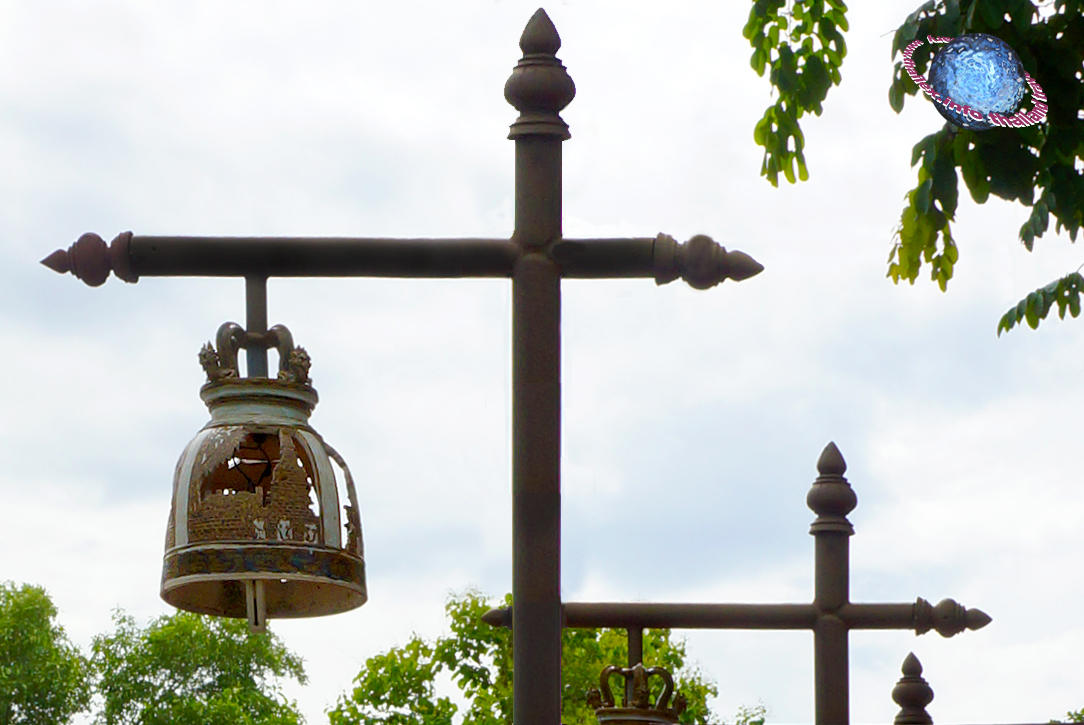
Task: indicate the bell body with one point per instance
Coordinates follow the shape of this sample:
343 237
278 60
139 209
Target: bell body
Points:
256 528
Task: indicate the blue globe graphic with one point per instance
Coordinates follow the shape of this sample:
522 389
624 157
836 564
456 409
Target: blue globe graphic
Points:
979 71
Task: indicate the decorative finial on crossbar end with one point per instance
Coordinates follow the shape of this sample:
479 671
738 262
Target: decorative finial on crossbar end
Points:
501 617
91 260
912 693
539 86
701 262
948 617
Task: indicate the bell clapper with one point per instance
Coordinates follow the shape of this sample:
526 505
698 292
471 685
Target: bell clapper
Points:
256 604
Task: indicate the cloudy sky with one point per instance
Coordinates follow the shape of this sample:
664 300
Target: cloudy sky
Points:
692 420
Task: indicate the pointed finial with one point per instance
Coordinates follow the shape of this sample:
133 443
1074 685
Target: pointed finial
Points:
911 666
831 462
539 86
702 262
540 35
831 497
742 266
977 619
912 694
91 259
58 262
948 617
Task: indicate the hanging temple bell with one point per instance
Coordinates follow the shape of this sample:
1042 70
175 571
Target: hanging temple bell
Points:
256 528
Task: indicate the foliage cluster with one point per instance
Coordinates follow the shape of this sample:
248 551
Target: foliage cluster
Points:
397 687
43 677
801 43
180 669
1040 166
191 668
1035 165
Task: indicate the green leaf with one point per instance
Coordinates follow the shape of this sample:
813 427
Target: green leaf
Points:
1031 310
974 174
968 23
945 185
922 196
1007 321
758 61
788 169
927 148
992 13
895 96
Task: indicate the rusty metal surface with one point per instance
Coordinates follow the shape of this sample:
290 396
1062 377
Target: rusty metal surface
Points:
637 708
701 261
243 539
539 88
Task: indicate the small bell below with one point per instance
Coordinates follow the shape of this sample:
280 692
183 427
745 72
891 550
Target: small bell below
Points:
256 529
637 708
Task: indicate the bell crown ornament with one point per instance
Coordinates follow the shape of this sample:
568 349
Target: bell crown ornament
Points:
637 708
257 528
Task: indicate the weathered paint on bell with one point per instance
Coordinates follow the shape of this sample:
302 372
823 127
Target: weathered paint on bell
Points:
244 538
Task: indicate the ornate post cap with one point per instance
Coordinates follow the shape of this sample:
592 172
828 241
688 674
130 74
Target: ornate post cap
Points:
831 497
912 693
539 86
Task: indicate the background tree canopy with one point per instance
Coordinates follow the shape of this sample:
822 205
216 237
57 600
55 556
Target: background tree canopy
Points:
43 677
190 668
397 687
1040 166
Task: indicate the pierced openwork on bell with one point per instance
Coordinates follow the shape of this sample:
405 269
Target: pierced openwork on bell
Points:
639 711
256 528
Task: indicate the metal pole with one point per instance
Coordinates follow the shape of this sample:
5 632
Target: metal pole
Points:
539 88
256 324
830 633
831 498
636 657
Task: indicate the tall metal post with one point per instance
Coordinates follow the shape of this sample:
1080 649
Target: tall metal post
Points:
831 498
538 88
